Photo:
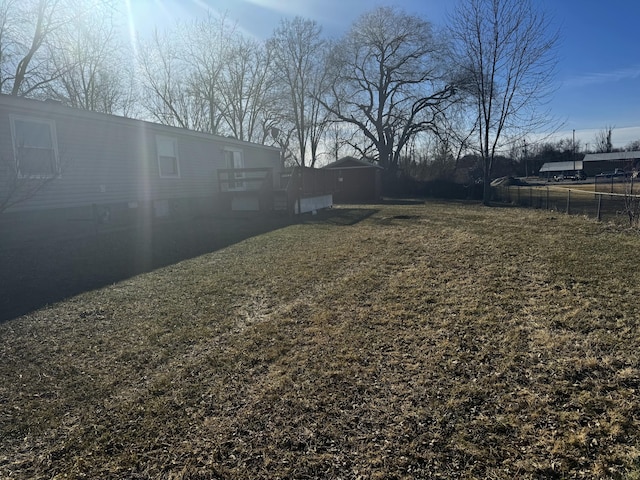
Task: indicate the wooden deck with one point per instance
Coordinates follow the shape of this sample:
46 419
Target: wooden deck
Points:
299 190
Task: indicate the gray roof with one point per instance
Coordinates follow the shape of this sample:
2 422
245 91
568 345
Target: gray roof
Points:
561 166
613 156
29 105
351 162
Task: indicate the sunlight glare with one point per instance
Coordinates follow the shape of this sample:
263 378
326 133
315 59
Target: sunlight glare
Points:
132 28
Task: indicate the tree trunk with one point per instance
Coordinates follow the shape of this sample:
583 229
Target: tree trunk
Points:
486 191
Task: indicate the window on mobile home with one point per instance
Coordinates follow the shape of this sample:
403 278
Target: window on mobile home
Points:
234 161
35 147
167 148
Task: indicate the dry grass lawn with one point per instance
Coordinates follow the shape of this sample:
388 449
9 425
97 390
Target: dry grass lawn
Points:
405 341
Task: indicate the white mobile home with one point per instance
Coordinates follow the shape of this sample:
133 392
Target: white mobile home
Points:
71 164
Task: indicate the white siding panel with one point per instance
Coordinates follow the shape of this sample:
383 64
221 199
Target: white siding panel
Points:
106 159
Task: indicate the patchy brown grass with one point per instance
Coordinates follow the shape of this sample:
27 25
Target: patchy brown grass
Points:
425 341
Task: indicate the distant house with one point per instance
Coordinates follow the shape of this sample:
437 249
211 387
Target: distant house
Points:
356 181
550 170
593 164
596 163
104 168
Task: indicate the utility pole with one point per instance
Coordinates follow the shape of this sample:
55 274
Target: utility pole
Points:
526 164
573 148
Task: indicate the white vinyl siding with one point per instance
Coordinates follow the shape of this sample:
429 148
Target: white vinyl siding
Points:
35 147
109 160
167 149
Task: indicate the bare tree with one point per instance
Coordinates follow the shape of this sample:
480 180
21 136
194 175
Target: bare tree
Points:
633 146
95 75
8 44
339 137
504 50
603 140
27 76
246 88
389 83
45 43
206 50
164 74
455 130
206 76
26 39
298 52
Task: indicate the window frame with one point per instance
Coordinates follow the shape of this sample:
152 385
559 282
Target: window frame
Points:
237 183
53 135
174 141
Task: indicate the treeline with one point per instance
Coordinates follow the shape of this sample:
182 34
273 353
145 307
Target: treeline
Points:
394 88
522 160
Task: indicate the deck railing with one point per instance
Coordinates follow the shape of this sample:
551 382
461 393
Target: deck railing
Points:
245 179
282 194
312 181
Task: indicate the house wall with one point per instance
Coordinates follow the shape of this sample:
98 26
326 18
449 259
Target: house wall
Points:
357 185
596 167
109 167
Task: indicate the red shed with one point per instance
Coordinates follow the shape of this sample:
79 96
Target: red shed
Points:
356 181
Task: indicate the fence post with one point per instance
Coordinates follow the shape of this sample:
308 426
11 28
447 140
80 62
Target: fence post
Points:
568 202
599 206
547 198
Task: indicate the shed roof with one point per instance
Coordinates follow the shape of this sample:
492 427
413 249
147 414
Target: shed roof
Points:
561 166
613 156
351 162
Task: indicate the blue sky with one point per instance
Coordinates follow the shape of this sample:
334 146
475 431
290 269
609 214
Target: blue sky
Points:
598 73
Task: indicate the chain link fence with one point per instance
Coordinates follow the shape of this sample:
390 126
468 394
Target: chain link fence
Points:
605 201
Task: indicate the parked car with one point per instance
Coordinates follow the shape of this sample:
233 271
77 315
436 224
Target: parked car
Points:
618 172
580 175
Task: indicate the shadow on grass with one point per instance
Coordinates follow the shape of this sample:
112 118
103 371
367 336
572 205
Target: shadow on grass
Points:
38 274
339 216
